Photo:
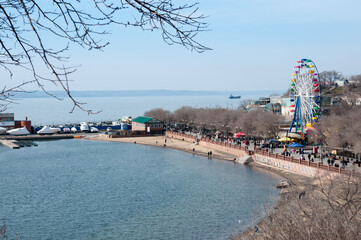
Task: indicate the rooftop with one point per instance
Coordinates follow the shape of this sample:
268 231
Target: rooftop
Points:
141 119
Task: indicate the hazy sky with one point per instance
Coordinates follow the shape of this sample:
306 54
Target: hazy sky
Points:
255 46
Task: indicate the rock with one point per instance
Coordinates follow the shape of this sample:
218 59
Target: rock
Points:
284 191
284 184
244 160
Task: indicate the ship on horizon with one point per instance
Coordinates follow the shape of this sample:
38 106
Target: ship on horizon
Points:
234 97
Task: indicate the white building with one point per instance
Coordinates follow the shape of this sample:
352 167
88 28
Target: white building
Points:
286 109
276 99
7 120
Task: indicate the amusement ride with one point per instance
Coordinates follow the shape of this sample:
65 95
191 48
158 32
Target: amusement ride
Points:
305 94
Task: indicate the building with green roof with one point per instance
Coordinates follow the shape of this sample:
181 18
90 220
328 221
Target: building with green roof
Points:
147 125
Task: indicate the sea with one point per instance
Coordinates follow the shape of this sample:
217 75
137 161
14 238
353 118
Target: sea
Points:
83 189
43 110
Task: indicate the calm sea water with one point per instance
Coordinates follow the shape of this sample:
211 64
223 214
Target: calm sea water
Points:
43 111
79 189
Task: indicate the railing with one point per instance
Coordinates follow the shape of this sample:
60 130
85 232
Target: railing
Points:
307 163
270 154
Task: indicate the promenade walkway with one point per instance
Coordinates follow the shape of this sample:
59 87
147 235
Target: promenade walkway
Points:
275 159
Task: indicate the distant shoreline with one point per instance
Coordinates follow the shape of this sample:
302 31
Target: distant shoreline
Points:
139 93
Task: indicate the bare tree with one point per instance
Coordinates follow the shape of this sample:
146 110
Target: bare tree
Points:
326 208
248 122
352 89
269 124
160 114
253 123
185 113
331 77
342 128
356 79
28 28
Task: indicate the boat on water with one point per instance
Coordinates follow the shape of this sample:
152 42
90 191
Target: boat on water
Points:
18 131
74 130
84 127
234 97
48 130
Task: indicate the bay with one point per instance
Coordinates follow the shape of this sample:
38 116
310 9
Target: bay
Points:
46 111
81 189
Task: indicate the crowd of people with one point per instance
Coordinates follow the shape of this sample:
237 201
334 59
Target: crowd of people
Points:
310 153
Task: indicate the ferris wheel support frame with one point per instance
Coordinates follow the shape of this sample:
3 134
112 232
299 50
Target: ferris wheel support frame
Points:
297 119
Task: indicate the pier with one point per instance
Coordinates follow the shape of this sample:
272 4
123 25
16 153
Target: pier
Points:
10 143
37 137
16 142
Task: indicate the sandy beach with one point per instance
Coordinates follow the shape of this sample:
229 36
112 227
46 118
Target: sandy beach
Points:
173 143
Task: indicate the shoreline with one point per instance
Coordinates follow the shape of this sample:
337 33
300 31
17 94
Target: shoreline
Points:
159 141
184 146
173 143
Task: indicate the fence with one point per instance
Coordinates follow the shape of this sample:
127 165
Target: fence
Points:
302 162
260 152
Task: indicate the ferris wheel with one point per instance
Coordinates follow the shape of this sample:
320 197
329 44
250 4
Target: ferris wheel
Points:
305 94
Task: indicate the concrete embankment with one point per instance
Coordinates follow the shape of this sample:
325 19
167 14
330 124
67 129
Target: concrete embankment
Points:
15 142
10 143
39 137
289 164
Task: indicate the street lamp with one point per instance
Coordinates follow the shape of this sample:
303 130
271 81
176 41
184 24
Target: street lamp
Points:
343 154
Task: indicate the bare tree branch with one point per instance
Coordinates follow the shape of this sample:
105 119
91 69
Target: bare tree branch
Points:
27 25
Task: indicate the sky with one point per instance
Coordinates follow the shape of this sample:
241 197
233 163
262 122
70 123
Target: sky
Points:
255 45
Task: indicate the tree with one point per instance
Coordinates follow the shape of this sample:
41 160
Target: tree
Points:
160 114
325 208
342 128
185 113
353 89
253 123
330 77
269 123
29 29
356 79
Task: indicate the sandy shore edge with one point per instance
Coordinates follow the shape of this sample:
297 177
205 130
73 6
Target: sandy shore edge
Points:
178 144
159 141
